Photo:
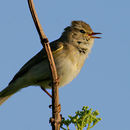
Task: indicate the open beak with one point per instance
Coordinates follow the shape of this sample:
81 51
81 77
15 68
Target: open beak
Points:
94 33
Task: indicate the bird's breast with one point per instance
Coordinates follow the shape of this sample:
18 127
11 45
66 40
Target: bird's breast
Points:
68 64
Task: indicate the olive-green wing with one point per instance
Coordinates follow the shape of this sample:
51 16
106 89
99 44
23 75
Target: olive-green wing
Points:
39 57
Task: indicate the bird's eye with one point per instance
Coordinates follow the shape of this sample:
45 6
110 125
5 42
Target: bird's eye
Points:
82 31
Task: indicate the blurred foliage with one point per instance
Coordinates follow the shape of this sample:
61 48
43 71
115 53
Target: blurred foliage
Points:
86 118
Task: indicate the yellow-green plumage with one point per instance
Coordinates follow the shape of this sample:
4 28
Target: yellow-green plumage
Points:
69 51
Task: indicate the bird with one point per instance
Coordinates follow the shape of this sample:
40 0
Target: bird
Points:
69 51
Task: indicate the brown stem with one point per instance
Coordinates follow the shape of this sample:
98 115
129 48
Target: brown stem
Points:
56 119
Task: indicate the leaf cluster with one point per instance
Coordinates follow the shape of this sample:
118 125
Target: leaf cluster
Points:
84 118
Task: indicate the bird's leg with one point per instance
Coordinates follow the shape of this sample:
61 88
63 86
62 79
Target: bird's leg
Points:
46 92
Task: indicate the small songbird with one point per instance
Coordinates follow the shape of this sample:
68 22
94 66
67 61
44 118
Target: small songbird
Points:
69 51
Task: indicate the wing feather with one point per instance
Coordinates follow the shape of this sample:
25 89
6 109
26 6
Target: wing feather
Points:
39 57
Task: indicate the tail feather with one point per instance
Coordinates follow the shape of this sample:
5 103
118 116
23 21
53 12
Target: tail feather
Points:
3 99
8 92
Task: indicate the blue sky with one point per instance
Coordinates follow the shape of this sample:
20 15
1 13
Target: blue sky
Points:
104 81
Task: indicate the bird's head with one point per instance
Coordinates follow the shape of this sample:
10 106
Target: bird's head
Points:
80 34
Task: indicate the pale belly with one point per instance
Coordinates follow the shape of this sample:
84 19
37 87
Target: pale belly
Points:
67 68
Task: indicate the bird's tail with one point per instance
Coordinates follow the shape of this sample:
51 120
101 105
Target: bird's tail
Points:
8 92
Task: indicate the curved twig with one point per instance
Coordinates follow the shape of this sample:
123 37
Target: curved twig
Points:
55 92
